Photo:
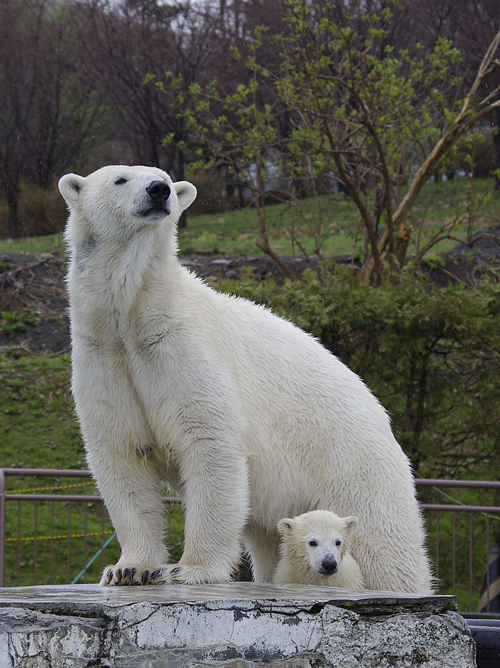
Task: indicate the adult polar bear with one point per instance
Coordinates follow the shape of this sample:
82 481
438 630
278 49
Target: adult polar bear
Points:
248 418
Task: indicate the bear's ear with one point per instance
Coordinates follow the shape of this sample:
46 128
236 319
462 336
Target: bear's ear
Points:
70 187
350 523
284 526
186 193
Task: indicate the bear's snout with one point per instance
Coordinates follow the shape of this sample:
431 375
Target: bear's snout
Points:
328 566
159 192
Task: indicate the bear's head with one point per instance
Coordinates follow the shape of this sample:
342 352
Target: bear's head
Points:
318 538
117 201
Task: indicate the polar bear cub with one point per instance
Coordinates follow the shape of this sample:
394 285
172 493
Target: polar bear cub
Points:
315 550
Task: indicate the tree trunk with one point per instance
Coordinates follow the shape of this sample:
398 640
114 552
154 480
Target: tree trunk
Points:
496 144
401 246
12 226
11 191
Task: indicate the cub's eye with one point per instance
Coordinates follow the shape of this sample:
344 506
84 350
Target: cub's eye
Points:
338 542
313 543
120 182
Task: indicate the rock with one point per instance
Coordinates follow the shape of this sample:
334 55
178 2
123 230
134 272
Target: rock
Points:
241 625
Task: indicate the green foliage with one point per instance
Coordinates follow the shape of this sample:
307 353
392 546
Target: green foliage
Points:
431 355
337 99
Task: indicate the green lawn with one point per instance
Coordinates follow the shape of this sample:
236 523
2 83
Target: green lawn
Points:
236 232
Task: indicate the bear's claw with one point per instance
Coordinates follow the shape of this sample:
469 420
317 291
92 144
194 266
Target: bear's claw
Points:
161 575
114 576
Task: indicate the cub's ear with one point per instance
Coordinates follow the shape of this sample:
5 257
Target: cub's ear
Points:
70 187
186 193
350 524
284 526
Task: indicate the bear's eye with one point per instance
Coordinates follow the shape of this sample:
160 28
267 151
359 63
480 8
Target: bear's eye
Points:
120 182
313 543
338 542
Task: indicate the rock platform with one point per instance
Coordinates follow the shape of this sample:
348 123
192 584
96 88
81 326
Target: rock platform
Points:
239 625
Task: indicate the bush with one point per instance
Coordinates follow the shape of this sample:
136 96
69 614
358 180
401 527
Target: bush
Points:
210 198
431 355
479 158
40 212
216 193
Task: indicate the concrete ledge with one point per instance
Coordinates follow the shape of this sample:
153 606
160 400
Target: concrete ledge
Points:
241 625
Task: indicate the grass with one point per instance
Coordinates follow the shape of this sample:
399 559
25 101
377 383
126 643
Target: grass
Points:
48 243
37 425
236 232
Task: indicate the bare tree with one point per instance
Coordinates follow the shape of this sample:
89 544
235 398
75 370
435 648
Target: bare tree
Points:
134 44
49 113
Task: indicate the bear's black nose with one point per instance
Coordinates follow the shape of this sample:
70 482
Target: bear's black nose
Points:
159 191
329 566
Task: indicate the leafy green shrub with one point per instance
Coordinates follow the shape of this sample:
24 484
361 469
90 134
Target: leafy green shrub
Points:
431 355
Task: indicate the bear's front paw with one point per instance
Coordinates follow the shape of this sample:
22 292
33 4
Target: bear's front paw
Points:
121 576
185 574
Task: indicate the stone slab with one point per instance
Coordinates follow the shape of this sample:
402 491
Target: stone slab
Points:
239 625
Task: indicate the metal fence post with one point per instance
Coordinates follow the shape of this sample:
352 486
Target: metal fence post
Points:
2 528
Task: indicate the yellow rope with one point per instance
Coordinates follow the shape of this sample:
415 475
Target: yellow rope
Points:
75 535
37 489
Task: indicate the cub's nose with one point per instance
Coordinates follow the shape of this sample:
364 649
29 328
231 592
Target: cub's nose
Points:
328 566
159 191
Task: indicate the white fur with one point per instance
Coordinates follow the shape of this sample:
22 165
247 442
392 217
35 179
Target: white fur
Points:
313 542
248 418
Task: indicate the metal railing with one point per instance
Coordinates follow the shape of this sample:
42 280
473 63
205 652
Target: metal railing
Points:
74 526
463 539
48 536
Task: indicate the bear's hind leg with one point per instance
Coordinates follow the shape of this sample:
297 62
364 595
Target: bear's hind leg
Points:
263 549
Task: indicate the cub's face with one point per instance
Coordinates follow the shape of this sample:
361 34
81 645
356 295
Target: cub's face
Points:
324 552
119 200
318 538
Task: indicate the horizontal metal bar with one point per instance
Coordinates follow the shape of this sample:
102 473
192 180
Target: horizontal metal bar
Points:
69 497
461 509
58 473
481 484
52 497
170 499
420 482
